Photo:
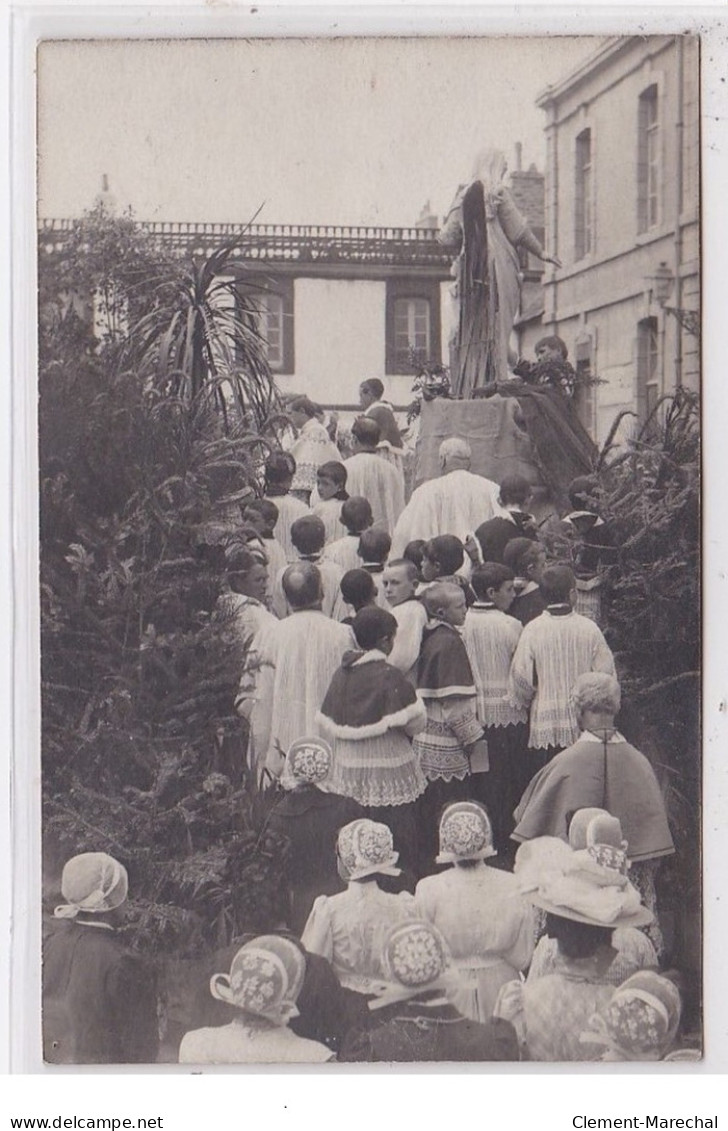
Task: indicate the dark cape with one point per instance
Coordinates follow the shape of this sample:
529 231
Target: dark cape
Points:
367 700
99 1000
444 668
612 776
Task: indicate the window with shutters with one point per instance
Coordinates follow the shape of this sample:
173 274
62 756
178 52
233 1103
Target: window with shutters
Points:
584 197
412 323
585 394
273 304
648 367
648 160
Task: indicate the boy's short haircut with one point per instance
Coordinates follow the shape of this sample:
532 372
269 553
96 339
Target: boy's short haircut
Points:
556 583
356 514
437 595
490 575
357 587
581 491
520 553
304 404
266 508
279 468
308 534
371 624
374 386
446 551
366 431
414 552
333 470
239 559
406 564
515 489
374 545
552 341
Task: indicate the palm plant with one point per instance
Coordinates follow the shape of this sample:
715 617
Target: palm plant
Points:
204 341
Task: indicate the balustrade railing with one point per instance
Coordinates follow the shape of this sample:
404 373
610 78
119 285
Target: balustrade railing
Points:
281 243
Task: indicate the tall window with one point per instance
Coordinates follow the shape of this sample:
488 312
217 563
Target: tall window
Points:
271 328
648 160
648 367
273 305
584 197
411 328
412 322
585 398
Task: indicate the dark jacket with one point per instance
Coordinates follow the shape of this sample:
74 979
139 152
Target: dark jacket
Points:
310 820
99 1000
413 1031
527 607
495 534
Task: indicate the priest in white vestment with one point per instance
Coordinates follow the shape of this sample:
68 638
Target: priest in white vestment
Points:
299 656
456 502
370 475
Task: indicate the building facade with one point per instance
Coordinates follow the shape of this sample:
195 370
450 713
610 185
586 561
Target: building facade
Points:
622 214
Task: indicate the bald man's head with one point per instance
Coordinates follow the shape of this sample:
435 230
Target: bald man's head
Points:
454 455
302 586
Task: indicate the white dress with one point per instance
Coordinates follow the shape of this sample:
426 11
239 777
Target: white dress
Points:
488 927
551 652
455 503
250 1041
490 637
371 477
350 929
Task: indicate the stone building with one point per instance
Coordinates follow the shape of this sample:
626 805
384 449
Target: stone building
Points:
622 213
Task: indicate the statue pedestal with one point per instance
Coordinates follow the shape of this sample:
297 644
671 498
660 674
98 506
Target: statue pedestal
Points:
499 443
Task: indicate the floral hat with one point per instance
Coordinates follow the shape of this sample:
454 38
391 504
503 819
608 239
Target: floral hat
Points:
308 761
92 883
366 848
415 958
589 884
641 1019
265 979
465 833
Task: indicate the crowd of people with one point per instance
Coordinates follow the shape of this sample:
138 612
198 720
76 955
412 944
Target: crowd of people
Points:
472 846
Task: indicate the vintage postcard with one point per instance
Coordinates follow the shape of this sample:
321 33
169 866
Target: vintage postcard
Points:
369 377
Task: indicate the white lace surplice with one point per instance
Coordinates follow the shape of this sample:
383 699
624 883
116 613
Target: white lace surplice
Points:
551 652
490 638
374 479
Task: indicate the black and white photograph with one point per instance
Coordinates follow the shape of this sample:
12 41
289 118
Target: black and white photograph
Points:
369 483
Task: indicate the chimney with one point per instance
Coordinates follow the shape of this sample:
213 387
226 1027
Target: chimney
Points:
519 156
427 219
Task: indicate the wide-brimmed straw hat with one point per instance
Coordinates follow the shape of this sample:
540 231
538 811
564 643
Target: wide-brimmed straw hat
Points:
590 884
